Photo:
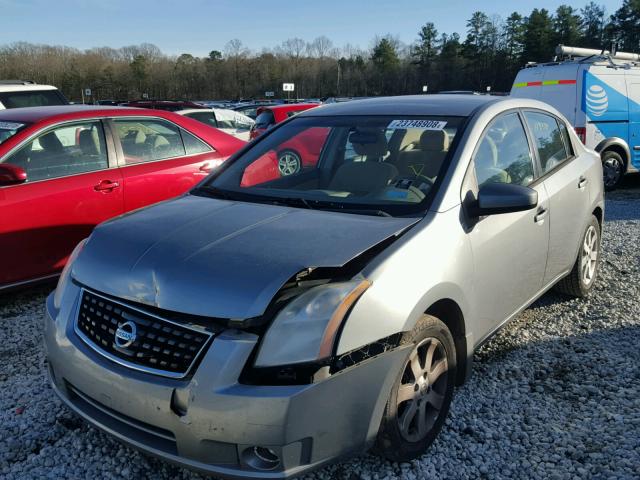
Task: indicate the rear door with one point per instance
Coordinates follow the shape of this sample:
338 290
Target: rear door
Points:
159 160
566 178
73 184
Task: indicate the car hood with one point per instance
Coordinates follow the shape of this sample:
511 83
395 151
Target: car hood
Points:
219 258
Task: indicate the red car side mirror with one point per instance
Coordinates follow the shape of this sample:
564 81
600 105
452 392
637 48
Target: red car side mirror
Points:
11 174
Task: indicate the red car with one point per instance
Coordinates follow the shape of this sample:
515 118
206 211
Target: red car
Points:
268 116
63 170
301 151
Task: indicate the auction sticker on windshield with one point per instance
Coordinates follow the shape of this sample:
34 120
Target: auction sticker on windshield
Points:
424 124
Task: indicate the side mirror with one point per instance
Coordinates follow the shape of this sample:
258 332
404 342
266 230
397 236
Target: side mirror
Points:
11 174
495 198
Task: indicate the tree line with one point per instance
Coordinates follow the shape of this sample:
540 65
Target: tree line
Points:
489 55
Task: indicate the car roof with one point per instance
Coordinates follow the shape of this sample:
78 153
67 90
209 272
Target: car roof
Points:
38 114
454 105
290 106
24 87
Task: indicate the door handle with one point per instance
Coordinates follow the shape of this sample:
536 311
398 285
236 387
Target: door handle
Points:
582 182
541 214
106 186
636 147
205 167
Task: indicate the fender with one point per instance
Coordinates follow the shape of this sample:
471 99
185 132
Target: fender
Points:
615 142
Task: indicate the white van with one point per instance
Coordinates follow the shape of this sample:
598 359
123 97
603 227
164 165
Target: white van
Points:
599 93
23 93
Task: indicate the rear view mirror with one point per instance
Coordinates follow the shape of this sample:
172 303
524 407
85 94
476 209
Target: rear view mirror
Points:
11 174
495 198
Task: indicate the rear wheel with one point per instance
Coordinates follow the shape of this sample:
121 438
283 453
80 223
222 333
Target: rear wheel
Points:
613 168
585 271
289 162
421 396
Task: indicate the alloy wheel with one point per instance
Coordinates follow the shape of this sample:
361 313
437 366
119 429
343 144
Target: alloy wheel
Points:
288 163
589 257
422 390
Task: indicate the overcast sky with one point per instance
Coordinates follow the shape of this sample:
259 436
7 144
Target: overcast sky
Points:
199 26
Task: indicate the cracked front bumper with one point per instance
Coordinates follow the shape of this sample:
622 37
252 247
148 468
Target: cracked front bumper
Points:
209 421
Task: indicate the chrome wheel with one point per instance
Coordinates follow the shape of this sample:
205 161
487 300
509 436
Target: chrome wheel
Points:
289 163
589 255
612 171
422 390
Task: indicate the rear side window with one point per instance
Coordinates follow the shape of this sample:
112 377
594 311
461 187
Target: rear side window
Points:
204 117
503 154
32 98
265 119
549 140
148 140
66 150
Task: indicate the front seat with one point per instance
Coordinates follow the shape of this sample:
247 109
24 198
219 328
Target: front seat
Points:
363 177
428 159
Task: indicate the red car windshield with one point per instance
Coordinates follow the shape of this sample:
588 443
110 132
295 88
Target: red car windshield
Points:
383 163
9 129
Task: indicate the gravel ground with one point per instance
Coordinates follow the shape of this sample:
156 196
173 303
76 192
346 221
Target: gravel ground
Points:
555 395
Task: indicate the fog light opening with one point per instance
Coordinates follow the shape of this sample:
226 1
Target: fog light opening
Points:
261 458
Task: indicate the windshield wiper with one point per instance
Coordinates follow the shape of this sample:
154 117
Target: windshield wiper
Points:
293 202
214 192
361 211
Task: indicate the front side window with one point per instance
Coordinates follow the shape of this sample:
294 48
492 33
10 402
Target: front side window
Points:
549 140
148 140
503 154
67 150
352 162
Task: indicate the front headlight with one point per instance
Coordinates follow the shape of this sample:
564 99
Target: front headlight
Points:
305 329
64 276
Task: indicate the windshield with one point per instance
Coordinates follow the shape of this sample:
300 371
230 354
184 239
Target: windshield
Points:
9 129
382 164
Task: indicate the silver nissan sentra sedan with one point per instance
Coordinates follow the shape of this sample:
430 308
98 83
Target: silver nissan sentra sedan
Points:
282 315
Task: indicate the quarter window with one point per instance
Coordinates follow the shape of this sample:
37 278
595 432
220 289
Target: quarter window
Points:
548 139
503 154
148 140
194 145
67 150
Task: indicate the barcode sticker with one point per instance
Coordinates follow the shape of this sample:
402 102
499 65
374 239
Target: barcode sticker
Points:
423 124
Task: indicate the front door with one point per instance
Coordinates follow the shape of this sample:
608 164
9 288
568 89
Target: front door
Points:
509 250
69 190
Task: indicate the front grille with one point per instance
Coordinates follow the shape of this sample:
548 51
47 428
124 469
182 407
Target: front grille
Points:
138 339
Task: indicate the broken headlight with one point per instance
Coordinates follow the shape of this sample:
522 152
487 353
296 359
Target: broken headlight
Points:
306 328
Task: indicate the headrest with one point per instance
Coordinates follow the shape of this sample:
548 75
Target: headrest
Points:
87 141
369 142
51 142
434 140
160 141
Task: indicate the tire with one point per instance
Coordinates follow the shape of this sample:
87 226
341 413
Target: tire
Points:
585 272
613 169
289 162
400 438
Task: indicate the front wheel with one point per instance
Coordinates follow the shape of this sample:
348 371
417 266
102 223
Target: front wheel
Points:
585 270
613 168
421 396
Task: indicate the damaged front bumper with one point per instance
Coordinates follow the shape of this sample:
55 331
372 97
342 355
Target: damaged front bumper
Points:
209 421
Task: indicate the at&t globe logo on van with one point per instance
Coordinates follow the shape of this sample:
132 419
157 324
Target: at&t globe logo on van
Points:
597 100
